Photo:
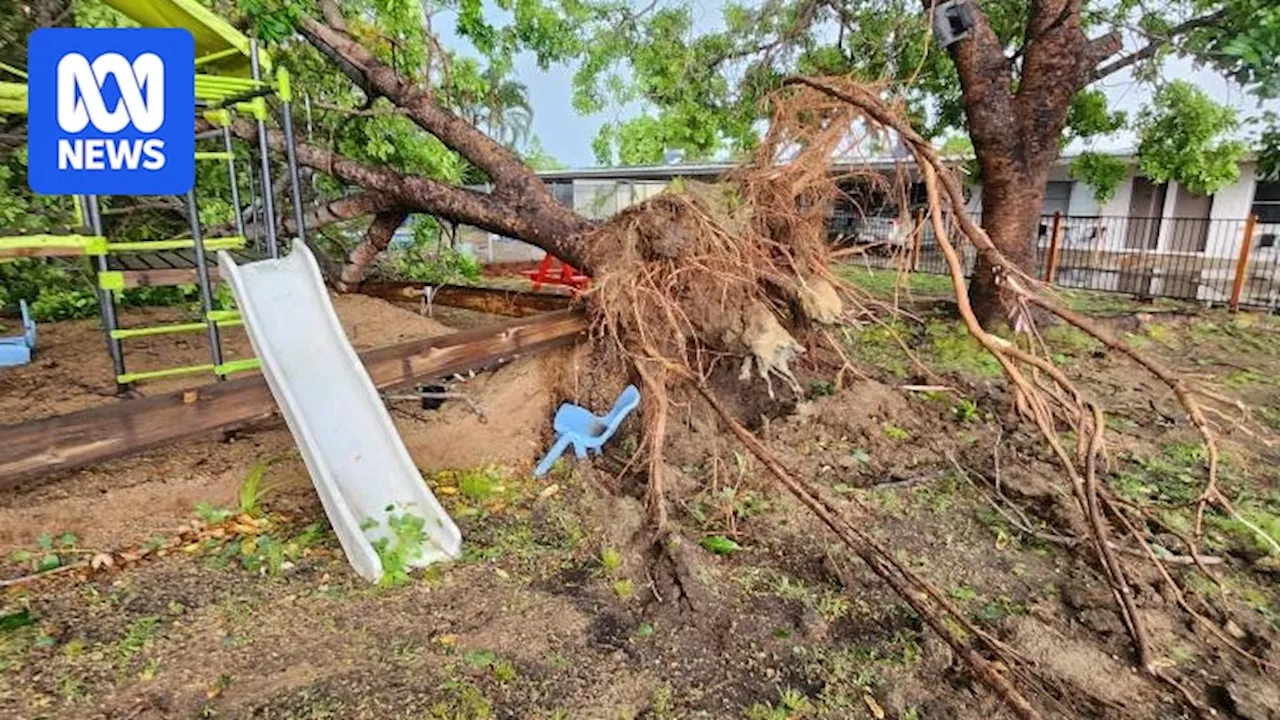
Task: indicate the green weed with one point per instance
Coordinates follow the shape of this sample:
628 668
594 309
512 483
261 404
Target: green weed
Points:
403 545
141 632
252 490
965 410
212 515
624 589
53 552
610 560
895 433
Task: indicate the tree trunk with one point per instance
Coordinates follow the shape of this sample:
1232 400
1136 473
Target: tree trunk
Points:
1011 202
1016 125
376 239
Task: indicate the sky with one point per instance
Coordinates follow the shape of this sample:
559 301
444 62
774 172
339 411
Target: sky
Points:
567 136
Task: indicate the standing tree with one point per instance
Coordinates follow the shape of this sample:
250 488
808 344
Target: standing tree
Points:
1025 81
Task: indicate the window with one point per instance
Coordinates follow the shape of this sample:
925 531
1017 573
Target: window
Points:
1266 201
562 191
1057 196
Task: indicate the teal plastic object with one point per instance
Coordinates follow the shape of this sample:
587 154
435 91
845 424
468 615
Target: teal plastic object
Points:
584 430
17 349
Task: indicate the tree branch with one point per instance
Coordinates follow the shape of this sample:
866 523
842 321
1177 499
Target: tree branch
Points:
376 239
1156 44
507 172
550 226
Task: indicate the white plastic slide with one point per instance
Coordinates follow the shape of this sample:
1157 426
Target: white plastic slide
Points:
370 488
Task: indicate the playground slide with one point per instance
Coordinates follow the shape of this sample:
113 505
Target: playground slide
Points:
370 488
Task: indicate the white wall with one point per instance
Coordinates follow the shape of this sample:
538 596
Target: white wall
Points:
1082 202
1235 201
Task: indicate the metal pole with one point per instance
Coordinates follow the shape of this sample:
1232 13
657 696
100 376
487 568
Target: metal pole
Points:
253 204
268 206
106 300
202 276
235 187
295 190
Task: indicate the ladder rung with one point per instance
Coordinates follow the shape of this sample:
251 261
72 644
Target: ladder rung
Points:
236 366
226 243
223 318
126 333
129 378
51 245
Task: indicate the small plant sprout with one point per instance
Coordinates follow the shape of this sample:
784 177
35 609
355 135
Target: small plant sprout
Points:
210 514
403 544
895 433
252 489
610 560
965 410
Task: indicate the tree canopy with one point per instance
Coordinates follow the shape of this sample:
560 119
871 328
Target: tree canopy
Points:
700 84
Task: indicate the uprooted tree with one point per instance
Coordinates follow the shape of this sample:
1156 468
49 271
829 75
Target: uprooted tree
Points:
1030 77
708 282
731 282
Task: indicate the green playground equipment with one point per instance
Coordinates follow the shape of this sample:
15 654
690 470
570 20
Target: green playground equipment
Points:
230 80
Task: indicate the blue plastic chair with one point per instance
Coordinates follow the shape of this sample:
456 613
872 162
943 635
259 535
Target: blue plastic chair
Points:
584 430
16 350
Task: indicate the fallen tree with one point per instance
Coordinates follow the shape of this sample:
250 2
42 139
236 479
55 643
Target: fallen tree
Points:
704 277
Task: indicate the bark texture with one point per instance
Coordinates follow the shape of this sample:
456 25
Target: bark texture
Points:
376 239
1016 123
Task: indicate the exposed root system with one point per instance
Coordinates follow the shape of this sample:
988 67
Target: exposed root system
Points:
737 272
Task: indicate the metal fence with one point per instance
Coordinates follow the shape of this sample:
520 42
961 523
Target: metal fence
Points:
1232 262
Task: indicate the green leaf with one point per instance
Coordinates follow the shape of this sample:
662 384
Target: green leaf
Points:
48 561
480 658
15 620
720 545
1103 173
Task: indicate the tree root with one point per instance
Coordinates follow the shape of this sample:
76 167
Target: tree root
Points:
914 590
1044 395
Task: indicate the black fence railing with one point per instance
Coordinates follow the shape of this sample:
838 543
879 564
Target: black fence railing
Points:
1233 262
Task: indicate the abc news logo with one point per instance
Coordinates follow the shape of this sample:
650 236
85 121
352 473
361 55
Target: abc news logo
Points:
111 111
80 104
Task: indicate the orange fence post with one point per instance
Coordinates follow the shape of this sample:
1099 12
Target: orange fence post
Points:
1242 262
915 240
1051 265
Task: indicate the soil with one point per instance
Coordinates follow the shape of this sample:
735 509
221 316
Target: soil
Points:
72 370
556 610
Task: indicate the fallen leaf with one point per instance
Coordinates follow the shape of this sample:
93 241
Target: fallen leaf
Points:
102 560
448 490
873 706
548 491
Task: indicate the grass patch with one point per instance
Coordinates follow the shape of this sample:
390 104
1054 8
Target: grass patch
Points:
883 283
951 348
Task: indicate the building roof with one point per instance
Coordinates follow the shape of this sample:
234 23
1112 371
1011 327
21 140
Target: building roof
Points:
716 169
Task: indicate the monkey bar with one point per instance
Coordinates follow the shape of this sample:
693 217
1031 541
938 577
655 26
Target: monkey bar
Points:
220 48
